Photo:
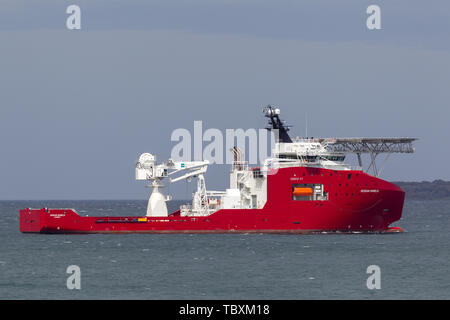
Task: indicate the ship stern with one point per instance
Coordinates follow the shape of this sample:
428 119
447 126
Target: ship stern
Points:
31 220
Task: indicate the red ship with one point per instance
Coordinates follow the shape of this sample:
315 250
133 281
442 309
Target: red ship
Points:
306 187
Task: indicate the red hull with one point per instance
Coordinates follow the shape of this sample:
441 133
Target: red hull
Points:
357 202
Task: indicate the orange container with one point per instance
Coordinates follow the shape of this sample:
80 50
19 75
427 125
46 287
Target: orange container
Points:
302 191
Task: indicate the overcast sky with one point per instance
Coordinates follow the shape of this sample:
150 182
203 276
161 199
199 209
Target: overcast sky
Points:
77 107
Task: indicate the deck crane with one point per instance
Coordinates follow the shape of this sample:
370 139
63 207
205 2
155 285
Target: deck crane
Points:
148 169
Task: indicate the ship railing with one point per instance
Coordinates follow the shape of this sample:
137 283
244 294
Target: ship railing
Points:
188 211
277 163
355 168
340 166
185 207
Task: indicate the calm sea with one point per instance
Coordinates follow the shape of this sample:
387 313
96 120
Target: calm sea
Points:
413 265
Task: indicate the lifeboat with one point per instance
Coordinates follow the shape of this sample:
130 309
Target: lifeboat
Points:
302 191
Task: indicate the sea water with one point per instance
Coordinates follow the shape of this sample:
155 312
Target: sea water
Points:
412 265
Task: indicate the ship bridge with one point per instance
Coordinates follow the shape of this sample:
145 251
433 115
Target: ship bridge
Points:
332 148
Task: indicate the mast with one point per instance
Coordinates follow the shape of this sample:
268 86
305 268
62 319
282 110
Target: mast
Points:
276 124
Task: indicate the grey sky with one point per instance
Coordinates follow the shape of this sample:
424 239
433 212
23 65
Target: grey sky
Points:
78 107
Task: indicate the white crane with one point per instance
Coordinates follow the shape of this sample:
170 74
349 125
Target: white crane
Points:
147 169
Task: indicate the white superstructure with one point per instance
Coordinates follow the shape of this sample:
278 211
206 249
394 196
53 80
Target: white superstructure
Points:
248 186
